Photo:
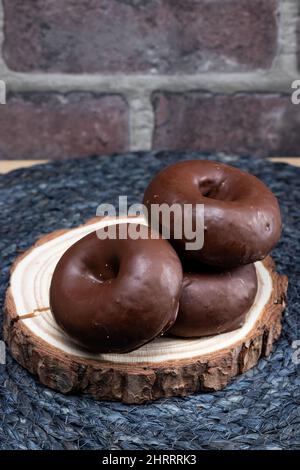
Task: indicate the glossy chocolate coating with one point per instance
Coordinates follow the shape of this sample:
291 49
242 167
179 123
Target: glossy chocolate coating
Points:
116 295
241 215
214 301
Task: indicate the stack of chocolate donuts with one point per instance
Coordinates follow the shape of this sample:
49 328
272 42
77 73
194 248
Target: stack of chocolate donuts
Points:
114 295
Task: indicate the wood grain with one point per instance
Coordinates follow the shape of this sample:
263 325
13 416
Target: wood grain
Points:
162 368
10 165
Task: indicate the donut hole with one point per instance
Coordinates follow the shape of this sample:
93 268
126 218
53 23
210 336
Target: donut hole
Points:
107 271
210 188
214 189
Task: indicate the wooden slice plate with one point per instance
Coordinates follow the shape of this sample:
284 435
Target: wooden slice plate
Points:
163 368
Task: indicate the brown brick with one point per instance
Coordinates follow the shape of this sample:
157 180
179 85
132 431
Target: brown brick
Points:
159 36
256 124
56 126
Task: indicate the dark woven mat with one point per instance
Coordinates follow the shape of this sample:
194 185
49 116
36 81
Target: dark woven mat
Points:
259 410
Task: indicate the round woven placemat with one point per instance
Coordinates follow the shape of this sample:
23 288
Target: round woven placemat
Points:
259 410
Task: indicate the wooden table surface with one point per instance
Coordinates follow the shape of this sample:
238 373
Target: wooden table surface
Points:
8 165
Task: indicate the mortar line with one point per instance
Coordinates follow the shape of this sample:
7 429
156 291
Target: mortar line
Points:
141 121
137 88
287 36
277 79
2 63
119 83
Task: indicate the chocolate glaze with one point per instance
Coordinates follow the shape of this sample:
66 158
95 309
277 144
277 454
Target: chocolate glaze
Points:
214 301
242 216
116 295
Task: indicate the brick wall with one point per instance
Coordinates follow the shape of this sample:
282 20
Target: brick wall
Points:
105 76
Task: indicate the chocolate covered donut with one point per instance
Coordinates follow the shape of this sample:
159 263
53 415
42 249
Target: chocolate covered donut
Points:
114 295
214 300
242 220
